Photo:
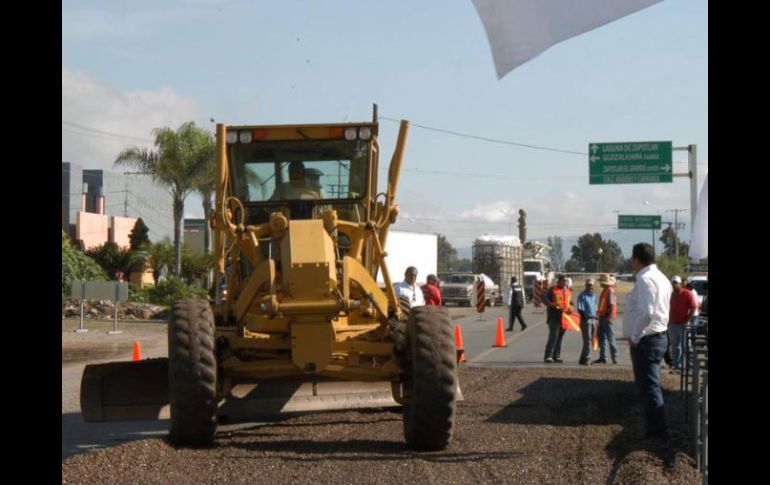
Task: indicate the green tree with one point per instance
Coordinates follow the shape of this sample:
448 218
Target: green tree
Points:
447 254
112 258
611 258
464 265
557 252
572 266
195 266
671 266
586 253
139 235
75 265
626 267
177 162
157 255
669 239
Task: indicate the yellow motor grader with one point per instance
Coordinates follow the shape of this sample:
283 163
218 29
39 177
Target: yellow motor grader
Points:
298 321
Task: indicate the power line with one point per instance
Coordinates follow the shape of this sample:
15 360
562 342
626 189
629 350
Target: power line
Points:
489 174
491 140
95 130
496 140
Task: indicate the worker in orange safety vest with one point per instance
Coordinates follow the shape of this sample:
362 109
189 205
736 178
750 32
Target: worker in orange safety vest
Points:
607 313
557 299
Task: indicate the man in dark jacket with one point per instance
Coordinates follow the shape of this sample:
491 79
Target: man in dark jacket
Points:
515 300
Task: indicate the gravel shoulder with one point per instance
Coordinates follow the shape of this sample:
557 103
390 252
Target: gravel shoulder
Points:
522 426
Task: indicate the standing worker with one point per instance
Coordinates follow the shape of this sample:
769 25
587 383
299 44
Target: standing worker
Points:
408 291
558 298
586 306
607 312
431 291
514 298
683 307
645 322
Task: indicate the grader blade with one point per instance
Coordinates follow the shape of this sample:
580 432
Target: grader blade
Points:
125 391
292 396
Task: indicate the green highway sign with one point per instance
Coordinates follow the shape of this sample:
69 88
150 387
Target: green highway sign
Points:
639 162
638 222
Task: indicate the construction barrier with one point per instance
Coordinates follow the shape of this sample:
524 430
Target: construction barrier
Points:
537 299
480 298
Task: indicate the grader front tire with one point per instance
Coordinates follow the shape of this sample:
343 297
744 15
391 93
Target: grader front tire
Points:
192 373
429 415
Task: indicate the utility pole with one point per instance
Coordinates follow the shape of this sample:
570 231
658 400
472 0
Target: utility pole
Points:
692 174
676 226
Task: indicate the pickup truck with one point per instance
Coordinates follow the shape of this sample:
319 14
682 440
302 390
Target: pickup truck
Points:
460 288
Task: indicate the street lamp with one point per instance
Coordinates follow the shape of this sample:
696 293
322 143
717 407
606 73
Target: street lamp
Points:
600 251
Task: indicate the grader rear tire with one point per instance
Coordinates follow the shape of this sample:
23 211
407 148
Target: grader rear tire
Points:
192 373
429 415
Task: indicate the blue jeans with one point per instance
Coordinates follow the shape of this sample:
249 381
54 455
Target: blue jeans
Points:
555 334
607 334
676 334
587 329
646 357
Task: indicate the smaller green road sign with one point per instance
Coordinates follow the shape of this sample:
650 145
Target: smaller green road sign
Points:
638 222
640 162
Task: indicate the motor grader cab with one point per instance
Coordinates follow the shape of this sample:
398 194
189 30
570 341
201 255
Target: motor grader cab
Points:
299 236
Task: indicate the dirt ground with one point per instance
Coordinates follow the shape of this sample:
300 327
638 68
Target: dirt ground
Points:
516 426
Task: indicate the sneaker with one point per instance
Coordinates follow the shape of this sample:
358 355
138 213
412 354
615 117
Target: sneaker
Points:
549 360
509 330
585 362
600 361
523 327
558 361
614 360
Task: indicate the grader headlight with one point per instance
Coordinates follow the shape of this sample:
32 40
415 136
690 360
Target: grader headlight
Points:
244 136
351 133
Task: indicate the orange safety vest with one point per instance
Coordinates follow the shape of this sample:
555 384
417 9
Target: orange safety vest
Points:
604 302
562 298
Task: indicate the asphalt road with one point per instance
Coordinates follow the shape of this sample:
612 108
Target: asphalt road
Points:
525 348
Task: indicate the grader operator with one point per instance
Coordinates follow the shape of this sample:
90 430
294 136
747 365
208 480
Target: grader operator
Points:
299 236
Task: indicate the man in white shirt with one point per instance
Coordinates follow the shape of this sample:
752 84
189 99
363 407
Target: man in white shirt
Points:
645 321
408 290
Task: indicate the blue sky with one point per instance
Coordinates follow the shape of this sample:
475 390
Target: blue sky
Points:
130 66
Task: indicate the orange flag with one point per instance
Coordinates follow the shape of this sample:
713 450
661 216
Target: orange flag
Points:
569 321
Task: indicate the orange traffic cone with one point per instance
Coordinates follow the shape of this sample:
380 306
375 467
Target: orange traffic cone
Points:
500 339
459 344
137 351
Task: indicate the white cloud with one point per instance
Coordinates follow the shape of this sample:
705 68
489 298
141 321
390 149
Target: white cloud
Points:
93 104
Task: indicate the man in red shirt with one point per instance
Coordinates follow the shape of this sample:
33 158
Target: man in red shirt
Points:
431 291
683 306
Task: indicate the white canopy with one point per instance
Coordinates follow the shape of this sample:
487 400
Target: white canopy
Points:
520 30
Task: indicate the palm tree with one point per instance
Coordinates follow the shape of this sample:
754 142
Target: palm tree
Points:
176 163
206 184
